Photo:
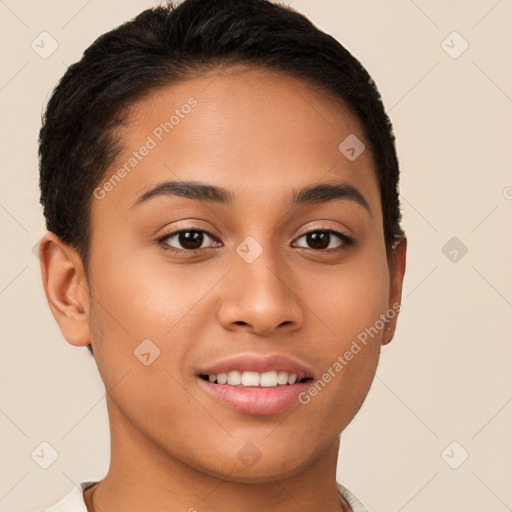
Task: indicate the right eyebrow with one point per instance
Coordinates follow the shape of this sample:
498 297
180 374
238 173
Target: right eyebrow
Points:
190 190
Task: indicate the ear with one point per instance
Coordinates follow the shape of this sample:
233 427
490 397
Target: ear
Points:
397 271
66 288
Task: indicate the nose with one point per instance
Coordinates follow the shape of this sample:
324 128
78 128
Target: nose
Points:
259 297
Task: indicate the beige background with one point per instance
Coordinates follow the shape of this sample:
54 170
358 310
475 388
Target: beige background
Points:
447 375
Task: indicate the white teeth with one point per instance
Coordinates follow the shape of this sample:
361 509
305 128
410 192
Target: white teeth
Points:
282 378
266 380
269 379
234 378
250 379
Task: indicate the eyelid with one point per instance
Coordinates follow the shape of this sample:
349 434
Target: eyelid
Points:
179 229
347 240
343 231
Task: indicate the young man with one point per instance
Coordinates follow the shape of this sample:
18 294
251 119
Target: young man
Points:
219 182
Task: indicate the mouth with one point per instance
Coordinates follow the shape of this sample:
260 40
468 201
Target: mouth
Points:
248 379
256 385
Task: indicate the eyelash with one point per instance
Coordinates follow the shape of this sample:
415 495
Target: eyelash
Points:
347 241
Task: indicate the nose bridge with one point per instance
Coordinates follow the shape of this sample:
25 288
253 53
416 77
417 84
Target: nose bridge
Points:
258 268
263 273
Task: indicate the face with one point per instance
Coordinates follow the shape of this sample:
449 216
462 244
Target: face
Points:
188 285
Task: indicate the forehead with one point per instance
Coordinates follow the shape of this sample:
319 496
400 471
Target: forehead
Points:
258 133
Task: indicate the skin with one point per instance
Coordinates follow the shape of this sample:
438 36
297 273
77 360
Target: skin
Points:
173 447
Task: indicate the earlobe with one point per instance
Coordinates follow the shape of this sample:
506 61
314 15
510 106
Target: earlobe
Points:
66 288
397 271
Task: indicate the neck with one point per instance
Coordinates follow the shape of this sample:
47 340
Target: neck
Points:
142 476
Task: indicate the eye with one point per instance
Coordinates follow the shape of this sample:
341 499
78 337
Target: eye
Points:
321 239
190 239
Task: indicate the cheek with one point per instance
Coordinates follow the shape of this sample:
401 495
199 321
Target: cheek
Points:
348 306
136 301
139 295
349 300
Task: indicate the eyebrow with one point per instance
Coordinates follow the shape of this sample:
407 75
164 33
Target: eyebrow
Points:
313 194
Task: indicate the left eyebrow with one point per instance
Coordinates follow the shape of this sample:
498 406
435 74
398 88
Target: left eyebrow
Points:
313 194
326 192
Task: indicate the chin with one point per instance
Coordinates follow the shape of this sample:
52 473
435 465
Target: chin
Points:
251 466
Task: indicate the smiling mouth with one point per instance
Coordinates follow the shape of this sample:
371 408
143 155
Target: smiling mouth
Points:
250 379
250 392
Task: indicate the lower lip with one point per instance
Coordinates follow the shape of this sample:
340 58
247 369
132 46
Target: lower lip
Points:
257 401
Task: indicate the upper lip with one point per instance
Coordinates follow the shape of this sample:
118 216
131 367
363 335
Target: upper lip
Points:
258 363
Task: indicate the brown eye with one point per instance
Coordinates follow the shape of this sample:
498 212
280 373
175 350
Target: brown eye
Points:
187 240
321 239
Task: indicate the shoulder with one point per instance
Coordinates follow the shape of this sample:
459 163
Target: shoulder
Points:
351 499
73 501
